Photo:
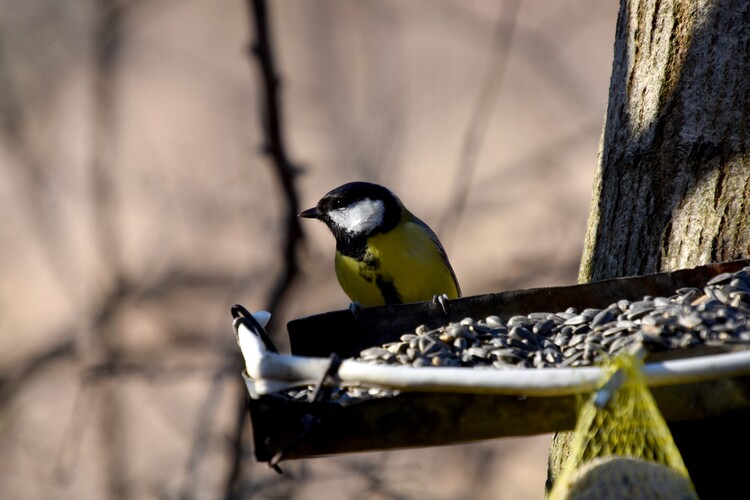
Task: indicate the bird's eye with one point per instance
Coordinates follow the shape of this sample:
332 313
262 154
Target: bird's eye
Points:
338 203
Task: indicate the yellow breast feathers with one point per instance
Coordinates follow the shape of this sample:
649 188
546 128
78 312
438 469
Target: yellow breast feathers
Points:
403 265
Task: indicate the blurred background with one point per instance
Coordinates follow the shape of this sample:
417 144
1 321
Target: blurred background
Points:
137 206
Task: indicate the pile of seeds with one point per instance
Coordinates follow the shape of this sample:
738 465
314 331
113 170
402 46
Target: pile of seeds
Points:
718 315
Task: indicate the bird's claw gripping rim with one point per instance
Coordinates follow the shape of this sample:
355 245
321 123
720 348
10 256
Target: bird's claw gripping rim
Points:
442 301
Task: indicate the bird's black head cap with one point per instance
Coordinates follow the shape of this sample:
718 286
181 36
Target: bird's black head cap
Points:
348 195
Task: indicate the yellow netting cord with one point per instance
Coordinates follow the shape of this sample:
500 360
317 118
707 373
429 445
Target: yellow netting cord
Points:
622 447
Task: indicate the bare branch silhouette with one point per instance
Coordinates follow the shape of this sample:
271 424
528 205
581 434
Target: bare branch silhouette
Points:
108 33
13 381
275 148
200 442
480 116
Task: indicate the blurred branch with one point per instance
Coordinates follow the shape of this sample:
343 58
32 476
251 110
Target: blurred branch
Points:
110 303
539 47
151 371
107 43
16 379
108 34
94 382
569 18
29 178
538 160
370 472
275 148
481 115
200 442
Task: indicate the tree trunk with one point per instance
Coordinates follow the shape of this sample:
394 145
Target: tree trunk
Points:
672 187
672 184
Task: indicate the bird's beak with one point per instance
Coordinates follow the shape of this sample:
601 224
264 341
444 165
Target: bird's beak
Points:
310 213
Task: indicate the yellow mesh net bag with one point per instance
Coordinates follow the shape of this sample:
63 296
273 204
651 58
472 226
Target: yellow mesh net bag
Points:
622 447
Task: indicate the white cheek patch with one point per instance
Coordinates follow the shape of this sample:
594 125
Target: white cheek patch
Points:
360 217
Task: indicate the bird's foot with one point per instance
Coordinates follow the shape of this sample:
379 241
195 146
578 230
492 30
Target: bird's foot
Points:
355 308
440 300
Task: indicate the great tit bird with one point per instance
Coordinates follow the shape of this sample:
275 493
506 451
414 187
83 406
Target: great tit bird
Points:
384 253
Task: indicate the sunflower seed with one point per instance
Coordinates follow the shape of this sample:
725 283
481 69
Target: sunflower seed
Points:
718 314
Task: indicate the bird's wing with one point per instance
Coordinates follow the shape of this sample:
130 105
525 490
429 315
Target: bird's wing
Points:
443 255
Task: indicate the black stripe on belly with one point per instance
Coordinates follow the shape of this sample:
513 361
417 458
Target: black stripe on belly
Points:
388 291
369 265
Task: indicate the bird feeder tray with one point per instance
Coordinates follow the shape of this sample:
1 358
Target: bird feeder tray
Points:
419 416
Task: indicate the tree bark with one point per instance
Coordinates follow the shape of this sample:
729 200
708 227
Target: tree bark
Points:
672 187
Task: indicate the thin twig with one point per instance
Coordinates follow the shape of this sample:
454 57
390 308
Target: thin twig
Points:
103 332
108 38
151 372
200 443
481 115
12 382
275 148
